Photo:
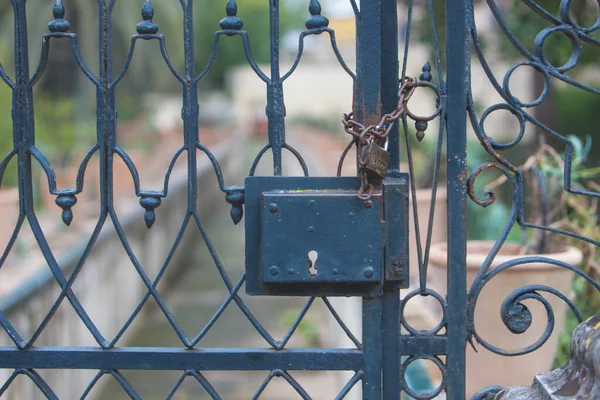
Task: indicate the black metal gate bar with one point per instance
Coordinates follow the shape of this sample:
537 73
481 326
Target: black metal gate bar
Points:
456 120
389 100
367 108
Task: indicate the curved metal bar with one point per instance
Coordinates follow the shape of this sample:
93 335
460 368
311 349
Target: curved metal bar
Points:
488 201
211 60
4 163
131 166
13 237
50 174
247 52
170 170
44 56
334 46
507 31
283 342
298 156
542 12
35 378
146 280
257 325
424 293
201 380
64 284
555 72
288 378
82 65
343 325
219 312
165 54
348 386
355 8
257 159
428 395
340 165
436 46
520 323
215 164
163 50
157 279
6 78
124 384
45 51
120 76
83 167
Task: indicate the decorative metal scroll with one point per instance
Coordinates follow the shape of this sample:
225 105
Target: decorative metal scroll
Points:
577 35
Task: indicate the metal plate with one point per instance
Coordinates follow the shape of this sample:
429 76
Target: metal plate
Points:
339 232
255 187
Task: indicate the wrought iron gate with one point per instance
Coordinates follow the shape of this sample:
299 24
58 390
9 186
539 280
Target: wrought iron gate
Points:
389 344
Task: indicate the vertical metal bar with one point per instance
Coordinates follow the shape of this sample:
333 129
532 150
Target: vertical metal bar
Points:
190 105
367 108
456 311
368 64
275 103
22 113
372 348
389 75
106 115
391 344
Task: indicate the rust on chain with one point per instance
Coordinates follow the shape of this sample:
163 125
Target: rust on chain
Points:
364 136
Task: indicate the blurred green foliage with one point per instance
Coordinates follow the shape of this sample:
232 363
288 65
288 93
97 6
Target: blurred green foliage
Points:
306 329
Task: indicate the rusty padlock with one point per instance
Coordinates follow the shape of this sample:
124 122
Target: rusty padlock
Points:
376 160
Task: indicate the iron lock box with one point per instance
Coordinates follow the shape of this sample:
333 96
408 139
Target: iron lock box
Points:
313 236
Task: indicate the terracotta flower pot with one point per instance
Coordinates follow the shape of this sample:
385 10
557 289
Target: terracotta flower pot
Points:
485 368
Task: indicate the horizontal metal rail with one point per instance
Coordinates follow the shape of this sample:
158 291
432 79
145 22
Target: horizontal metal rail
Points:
205 359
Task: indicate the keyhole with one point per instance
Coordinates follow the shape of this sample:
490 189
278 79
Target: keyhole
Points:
312 257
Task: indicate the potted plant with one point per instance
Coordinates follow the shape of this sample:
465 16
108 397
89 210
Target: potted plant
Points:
513 323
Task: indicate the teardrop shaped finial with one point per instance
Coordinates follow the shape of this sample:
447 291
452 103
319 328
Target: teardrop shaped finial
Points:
150 204
316 20
59 24
66 202
235 196
426 74
421 127
231 22
147 27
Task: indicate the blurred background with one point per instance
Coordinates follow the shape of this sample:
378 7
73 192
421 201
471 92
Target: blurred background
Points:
233 125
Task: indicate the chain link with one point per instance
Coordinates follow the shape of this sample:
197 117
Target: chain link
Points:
364 136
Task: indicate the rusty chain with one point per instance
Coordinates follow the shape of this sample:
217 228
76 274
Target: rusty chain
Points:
364 136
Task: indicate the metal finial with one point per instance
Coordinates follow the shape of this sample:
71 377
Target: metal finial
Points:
147 27
231 22
316 20
426 74
66 202
59 24
236 197
150 204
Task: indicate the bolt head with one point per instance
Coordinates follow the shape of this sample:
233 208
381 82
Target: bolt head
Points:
274 270
368 272
311 229
273 208
368 204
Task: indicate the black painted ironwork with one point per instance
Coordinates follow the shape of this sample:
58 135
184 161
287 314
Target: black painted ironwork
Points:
377 360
